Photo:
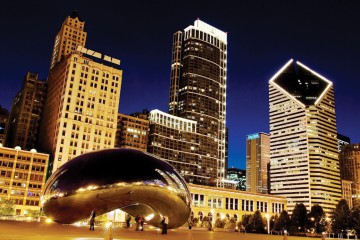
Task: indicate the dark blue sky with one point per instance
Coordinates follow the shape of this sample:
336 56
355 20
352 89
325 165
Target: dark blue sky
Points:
262 36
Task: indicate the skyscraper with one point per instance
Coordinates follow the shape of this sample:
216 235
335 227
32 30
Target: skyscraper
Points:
198 91
80 113
70 36
257 160
304 163
25 114
81 108
4 115
349 158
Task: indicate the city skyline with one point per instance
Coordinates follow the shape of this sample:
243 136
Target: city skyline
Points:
256 51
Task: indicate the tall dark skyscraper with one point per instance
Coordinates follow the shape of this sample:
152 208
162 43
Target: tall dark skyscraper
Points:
198 92
4 115
25 114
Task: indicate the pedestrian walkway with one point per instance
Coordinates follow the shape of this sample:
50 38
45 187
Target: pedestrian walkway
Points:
42 231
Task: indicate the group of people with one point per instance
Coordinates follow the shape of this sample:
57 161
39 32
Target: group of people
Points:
139 219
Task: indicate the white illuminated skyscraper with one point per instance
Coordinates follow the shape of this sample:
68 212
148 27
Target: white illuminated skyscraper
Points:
304 163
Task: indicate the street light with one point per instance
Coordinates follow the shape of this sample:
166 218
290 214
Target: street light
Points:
268 222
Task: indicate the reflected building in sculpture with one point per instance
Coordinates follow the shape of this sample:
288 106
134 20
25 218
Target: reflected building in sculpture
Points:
304 163
106 180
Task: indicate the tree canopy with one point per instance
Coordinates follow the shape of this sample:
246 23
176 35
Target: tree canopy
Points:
341 217
7 207
299 217
317 218
283 222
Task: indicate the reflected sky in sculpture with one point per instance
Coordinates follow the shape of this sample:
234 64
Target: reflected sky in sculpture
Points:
105 180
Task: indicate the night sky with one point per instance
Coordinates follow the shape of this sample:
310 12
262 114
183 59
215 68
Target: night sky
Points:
262 36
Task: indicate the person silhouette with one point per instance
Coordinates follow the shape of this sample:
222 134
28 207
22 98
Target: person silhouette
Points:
92 220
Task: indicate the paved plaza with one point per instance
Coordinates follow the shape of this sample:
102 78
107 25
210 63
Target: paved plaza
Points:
42 231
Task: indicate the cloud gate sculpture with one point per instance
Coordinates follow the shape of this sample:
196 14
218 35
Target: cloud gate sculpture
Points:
130 180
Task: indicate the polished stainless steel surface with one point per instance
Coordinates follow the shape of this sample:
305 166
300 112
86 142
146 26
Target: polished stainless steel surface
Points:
106 180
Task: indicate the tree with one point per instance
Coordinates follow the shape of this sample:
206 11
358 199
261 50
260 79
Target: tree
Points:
257 222
354 221
245 221
33 213
283 221
220 223
299 217
273 220
317 218
7 207
340 217
230 224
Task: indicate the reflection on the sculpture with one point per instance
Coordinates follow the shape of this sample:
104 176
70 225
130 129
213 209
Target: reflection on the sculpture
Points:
106 180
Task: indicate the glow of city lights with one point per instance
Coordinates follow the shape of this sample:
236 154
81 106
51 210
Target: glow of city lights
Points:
109 224
48 220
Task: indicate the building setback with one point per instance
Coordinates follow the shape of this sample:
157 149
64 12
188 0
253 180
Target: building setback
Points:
70 36
25 114
198 93
304 163
173 139
22 177
257 160
132 131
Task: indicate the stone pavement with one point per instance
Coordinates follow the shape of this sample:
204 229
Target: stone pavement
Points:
42 231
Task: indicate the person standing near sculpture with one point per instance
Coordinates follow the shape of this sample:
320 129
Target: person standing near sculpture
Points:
165 223
137 220
128 219
142 220
92 220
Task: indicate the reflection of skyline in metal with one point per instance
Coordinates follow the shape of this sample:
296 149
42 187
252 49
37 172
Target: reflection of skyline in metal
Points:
106 180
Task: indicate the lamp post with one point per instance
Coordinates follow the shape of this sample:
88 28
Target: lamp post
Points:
268 222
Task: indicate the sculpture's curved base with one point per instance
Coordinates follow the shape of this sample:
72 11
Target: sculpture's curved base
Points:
133 181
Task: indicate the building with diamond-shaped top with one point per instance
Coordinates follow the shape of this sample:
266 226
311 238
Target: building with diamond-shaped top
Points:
304 165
